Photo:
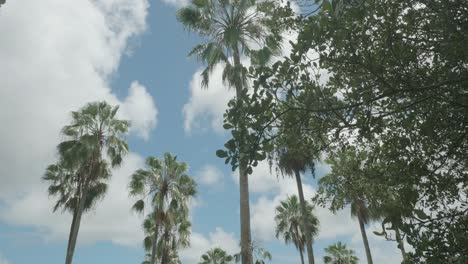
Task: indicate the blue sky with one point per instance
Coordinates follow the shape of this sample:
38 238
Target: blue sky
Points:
57 55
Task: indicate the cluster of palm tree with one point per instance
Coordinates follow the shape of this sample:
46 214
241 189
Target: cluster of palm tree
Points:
235 31
94 143
167 189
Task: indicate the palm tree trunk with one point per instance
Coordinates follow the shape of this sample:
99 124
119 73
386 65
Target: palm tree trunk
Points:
310 252
76 227
75 211
364 239
246 239
154 246
302 255
400 243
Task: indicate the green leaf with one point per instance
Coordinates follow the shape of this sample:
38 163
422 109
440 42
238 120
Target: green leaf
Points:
221 153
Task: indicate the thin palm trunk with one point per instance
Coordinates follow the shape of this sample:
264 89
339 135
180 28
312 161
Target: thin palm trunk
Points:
300 245
302 255
400 243
155 241
310 252
76 227
75 211
246 240
364 239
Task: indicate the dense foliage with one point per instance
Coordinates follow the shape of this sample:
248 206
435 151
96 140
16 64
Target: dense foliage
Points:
388 78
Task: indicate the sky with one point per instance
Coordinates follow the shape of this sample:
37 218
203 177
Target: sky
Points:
58 55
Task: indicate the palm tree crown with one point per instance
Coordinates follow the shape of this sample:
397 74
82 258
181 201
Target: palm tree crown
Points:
216 256
290 223
168 188
232 28
339 254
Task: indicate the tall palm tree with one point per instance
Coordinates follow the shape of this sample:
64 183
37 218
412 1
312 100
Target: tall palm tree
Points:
339 254
290 222
233 28
216 256
293 158
79 176
168 187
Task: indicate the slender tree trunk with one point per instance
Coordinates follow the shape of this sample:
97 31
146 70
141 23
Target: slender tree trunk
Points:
308 233
302 255
246 239
364 239
75 211
400 243
155 243
301 246
76 227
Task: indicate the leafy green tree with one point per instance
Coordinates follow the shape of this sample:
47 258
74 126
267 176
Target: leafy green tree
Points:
168 187
388 76
233 29
94 143
216 256
339 254
290 222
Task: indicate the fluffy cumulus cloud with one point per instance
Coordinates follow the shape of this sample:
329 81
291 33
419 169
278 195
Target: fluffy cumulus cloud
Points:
263 178
209 175
200 244
140 108
61 55
206 105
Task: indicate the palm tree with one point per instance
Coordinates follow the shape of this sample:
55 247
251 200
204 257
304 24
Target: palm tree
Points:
339 254
169 189
293 158
289 223
175 235
362 213
232 28
216 256
79 176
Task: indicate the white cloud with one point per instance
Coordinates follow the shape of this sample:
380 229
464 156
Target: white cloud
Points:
263 179
263 210
206 106
140 108
199 244
177 3
59 57
209 175
56 56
